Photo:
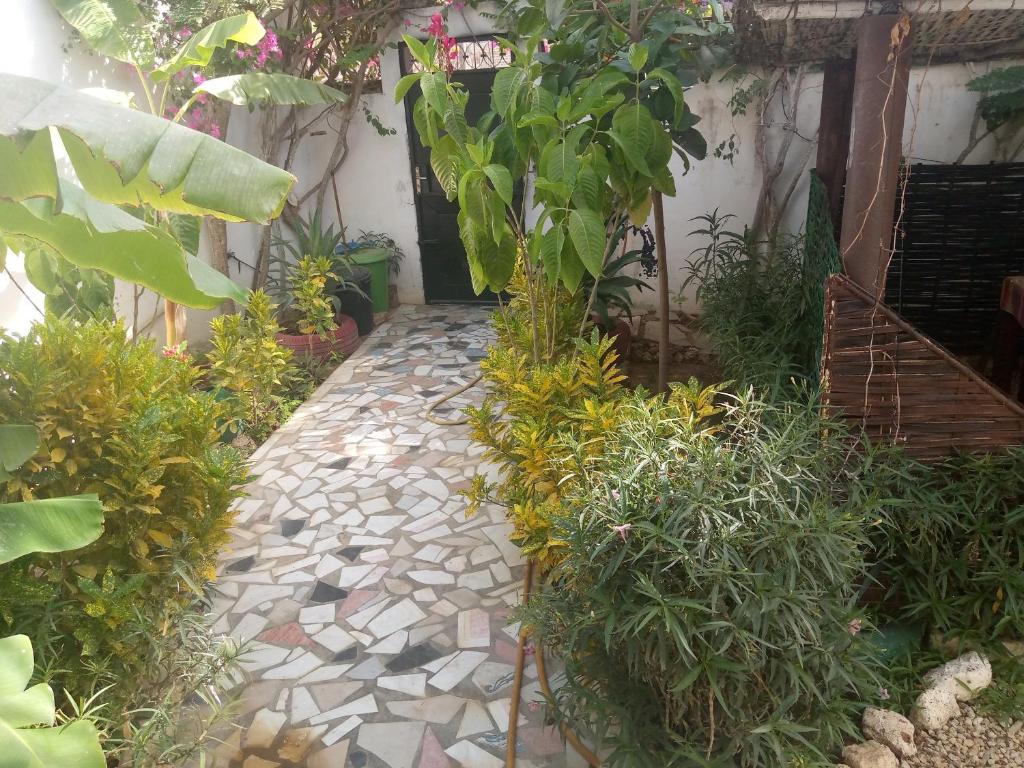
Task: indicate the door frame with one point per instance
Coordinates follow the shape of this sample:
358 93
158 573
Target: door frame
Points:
404 61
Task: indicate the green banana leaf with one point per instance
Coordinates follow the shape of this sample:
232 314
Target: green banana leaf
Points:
107 26
100 236
18 442
124 156
244 28
49 525
22 743
257 89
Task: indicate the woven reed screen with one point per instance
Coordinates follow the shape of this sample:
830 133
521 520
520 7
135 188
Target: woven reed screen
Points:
961 233
880 373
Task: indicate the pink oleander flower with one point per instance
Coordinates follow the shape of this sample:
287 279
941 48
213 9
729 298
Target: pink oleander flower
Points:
177 352
184 32
198 78
623 530
854 627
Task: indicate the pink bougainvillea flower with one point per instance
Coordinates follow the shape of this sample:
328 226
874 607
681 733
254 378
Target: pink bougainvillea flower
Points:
242 53
214 130
198 78
184 32
623 530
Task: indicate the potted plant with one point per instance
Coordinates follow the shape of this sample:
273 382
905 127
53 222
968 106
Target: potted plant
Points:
312 325
349 283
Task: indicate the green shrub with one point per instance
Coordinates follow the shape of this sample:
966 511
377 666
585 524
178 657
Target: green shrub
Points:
247 361
953 553
705 603
761 306
118 420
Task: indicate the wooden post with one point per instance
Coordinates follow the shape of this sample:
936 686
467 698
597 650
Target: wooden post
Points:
834 133
879 107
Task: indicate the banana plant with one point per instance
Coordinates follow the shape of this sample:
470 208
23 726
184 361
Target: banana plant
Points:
27 714
128 158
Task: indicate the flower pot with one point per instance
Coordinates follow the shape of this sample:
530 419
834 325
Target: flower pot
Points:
358 306
344 339
620 332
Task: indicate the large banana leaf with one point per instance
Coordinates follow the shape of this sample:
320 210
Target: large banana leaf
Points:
93 234
107 26
49 525
123 156
244 28
22 743
257 89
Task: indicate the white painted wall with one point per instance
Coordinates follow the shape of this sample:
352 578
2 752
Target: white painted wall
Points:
375 185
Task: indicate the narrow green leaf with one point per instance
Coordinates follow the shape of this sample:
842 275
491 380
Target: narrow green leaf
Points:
18 443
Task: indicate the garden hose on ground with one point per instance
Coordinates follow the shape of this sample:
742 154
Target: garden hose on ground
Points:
429 413
542 677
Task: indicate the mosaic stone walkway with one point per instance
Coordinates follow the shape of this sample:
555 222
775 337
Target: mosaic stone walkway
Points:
376 613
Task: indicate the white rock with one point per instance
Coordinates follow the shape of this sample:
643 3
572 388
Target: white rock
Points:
963 677
870 754
891 729
934 708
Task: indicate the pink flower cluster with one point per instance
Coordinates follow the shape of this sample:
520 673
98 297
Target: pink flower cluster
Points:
267 48
448 48
178 352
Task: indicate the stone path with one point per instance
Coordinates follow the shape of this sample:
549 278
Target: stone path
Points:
376 613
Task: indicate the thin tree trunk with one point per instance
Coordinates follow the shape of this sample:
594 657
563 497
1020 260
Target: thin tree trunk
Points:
663 318
217 230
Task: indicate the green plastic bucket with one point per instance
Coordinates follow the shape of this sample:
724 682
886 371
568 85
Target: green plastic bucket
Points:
375 260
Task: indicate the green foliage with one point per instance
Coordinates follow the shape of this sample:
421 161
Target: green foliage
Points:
247 361
23 710
308 286
70 290
1002 96
953 553
119 421
759 308
257 89
705 602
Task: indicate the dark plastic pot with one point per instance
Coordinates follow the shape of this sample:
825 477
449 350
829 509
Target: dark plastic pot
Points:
358 307
344 339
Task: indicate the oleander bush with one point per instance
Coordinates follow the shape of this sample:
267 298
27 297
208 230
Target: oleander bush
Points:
761 307
705 601
952 555
119 420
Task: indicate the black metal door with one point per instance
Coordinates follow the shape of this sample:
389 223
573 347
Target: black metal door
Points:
446 275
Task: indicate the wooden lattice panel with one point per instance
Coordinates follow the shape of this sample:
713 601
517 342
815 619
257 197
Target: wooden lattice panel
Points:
880 373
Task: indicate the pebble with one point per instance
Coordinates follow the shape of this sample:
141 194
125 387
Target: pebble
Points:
969 741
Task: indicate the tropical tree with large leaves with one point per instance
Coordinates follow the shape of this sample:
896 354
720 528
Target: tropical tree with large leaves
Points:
145 180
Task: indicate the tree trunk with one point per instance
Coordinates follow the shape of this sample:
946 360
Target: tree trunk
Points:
217 231
663 310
